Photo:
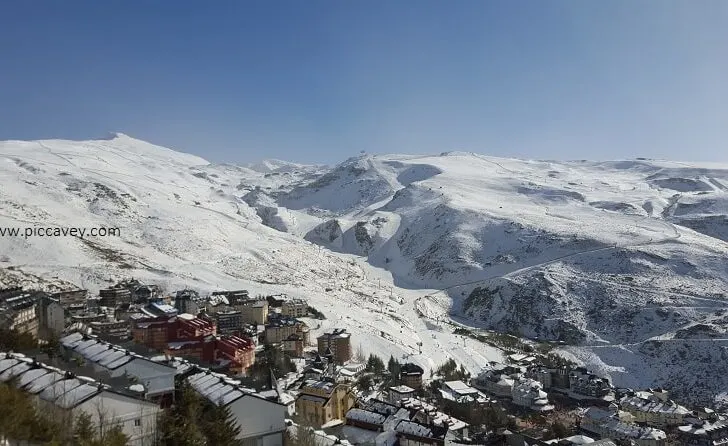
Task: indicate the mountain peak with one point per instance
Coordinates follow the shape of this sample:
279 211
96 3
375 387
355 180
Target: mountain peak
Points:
110 136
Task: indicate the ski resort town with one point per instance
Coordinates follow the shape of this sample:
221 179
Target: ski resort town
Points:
142 355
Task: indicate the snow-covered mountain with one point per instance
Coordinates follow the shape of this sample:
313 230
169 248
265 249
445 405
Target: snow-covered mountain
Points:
610 256
624 260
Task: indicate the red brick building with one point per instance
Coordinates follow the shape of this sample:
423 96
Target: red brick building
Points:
191 328
151 332
238 350
197 338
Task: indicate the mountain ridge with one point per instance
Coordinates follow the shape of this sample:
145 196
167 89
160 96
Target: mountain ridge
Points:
549 249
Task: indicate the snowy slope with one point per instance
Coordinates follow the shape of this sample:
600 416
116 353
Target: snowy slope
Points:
554 250
185 222
625 260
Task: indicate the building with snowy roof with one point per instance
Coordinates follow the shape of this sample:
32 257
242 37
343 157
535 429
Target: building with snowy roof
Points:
398 393
336 344
654 409
261 420
498 380
460 393
108 361
411 433
529 393
573 440
606 424
411 375
365 419
704 433
295 308
65 396
18 311
321 402
423 412
581 382
279 328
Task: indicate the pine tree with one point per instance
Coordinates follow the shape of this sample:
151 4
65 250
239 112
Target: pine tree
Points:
393 366
179 424
113 437
365 382
375 365
84 430
219 426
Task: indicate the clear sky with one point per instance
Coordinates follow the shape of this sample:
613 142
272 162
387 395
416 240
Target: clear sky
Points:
319 81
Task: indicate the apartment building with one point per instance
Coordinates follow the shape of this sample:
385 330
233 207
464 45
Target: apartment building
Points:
18 311
262 421
295 308
280 328
254 312
229 322
66 396
337 344
321 402
111 297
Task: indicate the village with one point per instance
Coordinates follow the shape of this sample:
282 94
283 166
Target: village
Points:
138 352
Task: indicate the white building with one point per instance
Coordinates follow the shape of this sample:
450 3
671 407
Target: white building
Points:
261 420
606 424
498 380
462 393
295 308
51 317
65 395
529 393
110 360
655 409
399 393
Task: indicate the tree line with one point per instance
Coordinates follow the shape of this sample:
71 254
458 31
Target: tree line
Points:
21 420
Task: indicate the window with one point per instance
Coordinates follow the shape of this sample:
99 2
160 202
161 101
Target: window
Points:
138 422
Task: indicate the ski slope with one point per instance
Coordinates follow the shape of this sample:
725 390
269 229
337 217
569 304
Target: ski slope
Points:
625 260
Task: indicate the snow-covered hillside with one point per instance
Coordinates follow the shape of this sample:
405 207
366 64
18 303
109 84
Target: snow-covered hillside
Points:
187 223
592 253
625 260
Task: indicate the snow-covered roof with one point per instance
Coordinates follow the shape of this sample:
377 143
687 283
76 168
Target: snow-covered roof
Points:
704 428
460 387
596 413
49 383
608 420
654 406
180 364
216 387
437 417
412 428
365 416
158 378
402 389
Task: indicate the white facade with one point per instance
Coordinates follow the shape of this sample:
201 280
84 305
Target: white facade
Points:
652 410
137 418
64 395
529 393
157 379
295 308
53 317
606 424
261 421
495 382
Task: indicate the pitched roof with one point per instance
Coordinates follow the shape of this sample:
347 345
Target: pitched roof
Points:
220 389
50 384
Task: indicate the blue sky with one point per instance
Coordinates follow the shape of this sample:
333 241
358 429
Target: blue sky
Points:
319 81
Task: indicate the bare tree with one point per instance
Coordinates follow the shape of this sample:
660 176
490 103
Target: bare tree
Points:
360 356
